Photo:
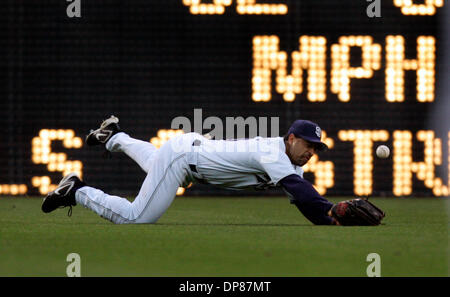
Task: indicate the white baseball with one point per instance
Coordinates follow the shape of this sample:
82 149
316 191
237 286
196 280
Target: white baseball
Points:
382 152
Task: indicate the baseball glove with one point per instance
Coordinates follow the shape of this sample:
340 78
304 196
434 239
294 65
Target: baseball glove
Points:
357 212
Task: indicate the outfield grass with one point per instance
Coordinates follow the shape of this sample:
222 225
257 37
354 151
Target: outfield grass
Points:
224 237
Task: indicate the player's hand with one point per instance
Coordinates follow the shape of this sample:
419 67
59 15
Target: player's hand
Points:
335 222
356 212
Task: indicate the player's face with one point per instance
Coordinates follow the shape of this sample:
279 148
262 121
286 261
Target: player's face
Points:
299 150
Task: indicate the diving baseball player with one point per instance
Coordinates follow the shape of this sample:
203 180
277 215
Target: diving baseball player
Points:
257 163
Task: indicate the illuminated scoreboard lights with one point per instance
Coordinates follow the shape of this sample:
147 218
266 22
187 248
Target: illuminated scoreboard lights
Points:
396 64
13 189
267 57
42 154
363 157
251 7
341 72
404 167
323 170
409 8
311 57
242 7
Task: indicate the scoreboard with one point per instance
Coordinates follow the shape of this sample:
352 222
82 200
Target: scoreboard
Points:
369 72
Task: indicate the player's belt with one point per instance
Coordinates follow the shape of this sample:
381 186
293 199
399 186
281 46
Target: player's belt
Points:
193 166
196 175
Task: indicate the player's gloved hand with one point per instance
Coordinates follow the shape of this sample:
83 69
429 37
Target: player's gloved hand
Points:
356 212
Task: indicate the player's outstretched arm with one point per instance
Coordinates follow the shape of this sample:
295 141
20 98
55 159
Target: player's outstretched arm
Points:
313 206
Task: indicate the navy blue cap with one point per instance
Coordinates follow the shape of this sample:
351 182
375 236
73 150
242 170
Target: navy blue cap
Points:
308 131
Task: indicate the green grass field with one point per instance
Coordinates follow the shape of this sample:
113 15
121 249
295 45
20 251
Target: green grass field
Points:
224 237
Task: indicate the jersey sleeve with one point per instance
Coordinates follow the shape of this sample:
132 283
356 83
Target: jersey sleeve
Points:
313 206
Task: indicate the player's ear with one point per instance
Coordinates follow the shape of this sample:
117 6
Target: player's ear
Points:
291 138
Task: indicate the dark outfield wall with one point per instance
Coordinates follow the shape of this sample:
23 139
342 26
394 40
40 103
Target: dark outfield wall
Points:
148 62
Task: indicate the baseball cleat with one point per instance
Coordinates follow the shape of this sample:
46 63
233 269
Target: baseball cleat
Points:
63 195
107 129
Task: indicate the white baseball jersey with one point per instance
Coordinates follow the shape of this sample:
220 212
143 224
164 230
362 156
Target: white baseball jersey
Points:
256 163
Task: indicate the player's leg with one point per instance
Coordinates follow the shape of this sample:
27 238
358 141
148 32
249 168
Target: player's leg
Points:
65 195
153 200
166 174
113 208
112 137
155 196
142 152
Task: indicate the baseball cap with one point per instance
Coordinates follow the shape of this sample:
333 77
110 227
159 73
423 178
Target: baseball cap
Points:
308 131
